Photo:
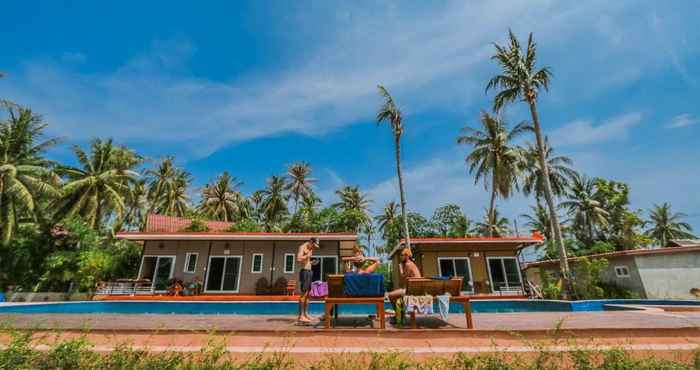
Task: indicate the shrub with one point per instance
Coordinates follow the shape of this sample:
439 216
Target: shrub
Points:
197 226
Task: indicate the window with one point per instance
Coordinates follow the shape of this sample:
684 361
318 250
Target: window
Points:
457 266
159 270
289 260
504 273
326 265
257 266
622 271
191 262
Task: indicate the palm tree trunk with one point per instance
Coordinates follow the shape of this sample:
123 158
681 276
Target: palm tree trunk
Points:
549 197
492 204
397 142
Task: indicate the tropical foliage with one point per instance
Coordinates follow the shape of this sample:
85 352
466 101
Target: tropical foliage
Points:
665 225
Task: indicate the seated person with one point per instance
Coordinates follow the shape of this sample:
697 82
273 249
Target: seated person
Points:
176 287
359 264
407 269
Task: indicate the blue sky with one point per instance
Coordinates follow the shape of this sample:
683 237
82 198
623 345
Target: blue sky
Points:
249 87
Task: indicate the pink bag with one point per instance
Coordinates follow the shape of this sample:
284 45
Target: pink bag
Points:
319 289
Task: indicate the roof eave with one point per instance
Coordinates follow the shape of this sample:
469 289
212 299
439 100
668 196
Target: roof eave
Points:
230 236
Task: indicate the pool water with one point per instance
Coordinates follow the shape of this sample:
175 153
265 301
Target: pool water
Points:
290 308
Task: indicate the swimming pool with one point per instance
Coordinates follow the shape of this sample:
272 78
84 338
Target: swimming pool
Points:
290 308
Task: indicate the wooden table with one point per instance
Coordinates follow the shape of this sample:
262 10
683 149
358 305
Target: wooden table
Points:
330 302
464 300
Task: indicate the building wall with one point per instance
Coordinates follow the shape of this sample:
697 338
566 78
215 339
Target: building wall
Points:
244 249
633 283
426 257
670 276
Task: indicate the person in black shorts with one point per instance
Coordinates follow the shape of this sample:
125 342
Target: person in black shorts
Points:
304 254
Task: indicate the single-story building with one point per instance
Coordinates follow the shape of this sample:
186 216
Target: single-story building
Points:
662 273
488 264
228 262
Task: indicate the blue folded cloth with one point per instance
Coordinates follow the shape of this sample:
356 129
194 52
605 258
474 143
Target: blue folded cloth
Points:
2 297
440 277
364 285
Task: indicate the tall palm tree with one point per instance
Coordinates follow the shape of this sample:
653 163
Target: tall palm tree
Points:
582 206
666 225
493 225
387 218
167 189
274 202
495 158
136 201
299 182
354 206
97 189
559 168
520 79
25 176
390 113
221 200
539 220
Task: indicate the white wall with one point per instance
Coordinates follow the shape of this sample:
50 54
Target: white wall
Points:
670 276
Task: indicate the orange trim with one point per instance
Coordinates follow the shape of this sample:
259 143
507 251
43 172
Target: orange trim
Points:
251 298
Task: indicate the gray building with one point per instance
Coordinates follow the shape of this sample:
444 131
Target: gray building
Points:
665 273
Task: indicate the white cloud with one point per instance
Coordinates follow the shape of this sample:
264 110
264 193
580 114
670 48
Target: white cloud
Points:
585 132
437 63
683 120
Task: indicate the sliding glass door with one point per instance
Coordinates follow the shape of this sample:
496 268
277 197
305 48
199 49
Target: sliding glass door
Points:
325 265
457 266
504 273
223 274
159 270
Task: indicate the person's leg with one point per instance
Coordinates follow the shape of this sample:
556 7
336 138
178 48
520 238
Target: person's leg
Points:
396 294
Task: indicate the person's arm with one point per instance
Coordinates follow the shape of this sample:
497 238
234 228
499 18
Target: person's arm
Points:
302 253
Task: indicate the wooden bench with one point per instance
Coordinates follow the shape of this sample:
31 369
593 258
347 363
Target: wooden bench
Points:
425 286
336 296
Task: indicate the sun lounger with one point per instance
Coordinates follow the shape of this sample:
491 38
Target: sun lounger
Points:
336 296
426 286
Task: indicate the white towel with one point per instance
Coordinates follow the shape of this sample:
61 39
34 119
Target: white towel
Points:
444 305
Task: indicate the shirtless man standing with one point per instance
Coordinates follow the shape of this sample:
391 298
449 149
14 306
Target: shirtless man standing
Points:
407 269
305 276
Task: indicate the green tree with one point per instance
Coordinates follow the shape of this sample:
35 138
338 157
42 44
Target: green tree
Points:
387 218
449 221
274 203
539 220
559 166
493 225
353 207
520 79
221 200
299 182
586 211
136 203
96 190
495 158
390 113
167 188
26 177
624 226
666 225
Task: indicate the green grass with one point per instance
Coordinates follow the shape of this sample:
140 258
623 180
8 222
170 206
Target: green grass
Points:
78 353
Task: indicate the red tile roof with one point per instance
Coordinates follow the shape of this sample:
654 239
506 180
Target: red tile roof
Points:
169 224
632 252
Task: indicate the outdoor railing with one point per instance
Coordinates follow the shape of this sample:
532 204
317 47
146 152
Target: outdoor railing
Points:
126 288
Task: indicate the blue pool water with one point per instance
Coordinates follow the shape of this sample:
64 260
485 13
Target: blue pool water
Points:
290 308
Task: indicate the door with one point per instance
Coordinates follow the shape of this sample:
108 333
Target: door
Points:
504 273
457 266
326 265
223 274
158 269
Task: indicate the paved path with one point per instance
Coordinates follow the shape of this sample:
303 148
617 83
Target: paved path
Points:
536 321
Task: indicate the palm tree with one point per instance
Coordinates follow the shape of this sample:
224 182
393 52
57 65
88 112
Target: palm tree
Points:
493 224
354 206
299 182
390 112
462 227
560 171
387 218
136 201
521 80
666 225
539 220
167 189
25 176
97 189
221 200
582 206
494 159
274 202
